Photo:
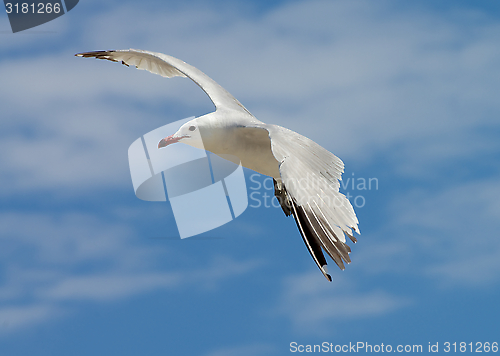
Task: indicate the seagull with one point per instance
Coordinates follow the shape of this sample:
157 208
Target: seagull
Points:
306 176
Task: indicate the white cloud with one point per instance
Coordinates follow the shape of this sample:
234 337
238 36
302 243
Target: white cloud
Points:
109 287
55 261
67 238
61 129
455 229
313 305
370 77
13 318
375 82
448 236
221 268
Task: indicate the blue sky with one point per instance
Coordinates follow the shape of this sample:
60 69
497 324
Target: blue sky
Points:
404 92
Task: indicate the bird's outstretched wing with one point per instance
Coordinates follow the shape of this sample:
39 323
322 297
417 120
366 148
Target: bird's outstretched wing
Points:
169 67
309 190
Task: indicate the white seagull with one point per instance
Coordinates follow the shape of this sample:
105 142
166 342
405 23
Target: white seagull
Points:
306 176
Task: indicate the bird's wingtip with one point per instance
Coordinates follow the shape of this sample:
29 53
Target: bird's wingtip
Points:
324 269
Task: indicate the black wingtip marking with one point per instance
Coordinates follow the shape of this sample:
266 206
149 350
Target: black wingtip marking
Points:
329 241
311 241
98 55
353 239
315 232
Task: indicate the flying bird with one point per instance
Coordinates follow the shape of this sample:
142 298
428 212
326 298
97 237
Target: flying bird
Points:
306 176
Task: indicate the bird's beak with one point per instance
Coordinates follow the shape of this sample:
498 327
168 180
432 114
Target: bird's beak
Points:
169 140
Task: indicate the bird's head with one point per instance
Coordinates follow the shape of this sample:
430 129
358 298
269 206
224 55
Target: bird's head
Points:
189 133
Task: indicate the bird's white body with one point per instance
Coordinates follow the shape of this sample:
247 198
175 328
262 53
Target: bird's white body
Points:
306 175
229 137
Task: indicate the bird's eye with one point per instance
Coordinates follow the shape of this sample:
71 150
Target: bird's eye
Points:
192 128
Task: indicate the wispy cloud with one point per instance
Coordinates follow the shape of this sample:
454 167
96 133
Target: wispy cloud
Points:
403 88
313 306
447 235
108 287
52 262
456 229
375 80
13 318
